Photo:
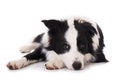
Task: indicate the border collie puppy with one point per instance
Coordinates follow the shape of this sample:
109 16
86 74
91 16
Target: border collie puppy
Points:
69 43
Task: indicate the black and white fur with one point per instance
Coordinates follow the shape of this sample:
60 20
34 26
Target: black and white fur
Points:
69 43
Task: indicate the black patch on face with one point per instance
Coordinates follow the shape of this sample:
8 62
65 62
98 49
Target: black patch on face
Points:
84 41
85 34
59 45
56 32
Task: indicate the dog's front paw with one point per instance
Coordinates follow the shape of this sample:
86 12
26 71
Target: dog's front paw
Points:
54 64
17 64
51 66
13 65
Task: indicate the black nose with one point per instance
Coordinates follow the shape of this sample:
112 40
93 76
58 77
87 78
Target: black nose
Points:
76 65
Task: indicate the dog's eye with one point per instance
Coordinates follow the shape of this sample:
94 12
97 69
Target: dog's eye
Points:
66 47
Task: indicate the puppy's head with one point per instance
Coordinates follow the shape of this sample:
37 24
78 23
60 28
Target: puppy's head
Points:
64 41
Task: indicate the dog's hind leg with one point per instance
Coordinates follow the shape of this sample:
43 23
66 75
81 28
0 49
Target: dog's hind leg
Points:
35 44
35 56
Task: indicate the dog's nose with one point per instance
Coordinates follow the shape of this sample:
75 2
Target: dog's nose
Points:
77 65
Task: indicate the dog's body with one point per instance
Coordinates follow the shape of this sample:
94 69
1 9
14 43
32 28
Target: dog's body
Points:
68 43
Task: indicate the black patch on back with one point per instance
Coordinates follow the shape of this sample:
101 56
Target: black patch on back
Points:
56 32
38 38
85 33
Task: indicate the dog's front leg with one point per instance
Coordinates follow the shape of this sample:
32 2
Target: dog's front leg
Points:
54 61
30 58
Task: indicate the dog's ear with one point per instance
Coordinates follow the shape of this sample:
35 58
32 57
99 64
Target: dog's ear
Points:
52 24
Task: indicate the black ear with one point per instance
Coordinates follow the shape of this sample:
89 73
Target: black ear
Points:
100 57
51 24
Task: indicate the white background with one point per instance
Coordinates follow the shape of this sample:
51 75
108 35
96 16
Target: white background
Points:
20 22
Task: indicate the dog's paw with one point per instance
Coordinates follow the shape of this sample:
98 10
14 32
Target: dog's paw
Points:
17 64
14 65
54 64
51 66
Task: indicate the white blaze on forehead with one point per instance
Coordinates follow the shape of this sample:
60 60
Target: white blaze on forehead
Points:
73 54
71 34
